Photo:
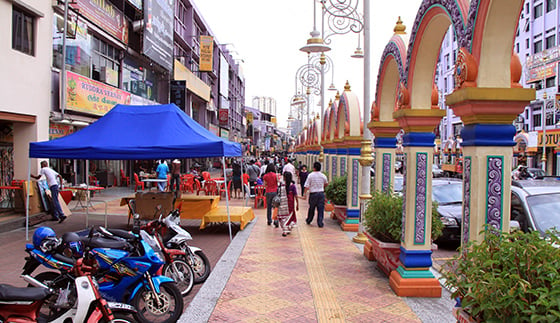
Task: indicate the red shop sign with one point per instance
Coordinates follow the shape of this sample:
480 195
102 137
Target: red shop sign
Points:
223 116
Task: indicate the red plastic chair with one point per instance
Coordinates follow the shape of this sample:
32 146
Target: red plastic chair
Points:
211 187
206 176
187 183
260 195
125 179
93 180
223 191
199 187
137 183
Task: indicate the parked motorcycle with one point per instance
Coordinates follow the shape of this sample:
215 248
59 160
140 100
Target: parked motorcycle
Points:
79 301
127 271
175 237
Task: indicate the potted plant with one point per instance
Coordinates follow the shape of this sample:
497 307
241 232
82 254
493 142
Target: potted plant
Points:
383 227
507 277
335 193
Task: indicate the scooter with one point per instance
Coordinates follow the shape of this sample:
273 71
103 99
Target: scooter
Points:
175 237
126 271
79 301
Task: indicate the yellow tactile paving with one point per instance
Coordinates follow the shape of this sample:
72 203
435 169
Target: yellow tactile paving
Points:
326 304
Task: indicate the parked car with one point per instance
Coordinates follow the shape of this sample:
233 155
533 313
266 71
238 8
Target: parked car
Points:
535 204
436 171
448 193
536 173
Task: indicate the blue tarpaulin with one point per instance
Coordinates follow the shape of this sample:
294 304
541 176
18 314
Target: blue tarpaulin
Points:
138 132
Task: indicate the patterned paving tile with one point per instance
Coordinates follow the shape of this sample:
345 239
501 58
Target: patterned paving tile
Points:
313 275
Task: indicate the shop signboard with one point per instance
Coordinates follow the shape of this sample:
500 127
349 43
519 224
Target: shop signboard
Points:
552 138
223 117
57 130
214 129
206 53
105 15
158 32
224 133
92 97
177 93
541 72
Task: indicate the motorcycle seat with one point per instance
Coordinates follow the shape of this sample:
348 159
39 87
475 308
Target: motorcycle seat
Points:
10 293
122 234
97 242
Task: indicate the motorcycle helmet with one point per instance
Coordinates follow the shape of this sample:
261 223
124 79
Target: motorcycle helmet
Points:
41 234
73 246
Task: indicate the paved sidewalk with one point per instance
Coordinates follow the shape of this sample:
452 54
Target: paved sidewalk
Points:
313 275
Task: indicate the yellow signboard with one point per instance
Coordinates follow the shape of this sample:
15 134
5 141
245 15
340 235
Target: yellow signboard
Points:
552 138
250 116
206 53
89 96
273 120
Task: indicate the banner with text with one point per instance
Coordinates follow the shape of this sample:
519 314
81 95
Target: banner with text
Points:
104 15
206 53
89 96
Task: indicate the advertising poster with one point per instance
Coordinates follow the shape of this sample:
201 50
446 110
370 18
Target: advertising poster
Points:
206 51
158 32
59 130
92 97
223 117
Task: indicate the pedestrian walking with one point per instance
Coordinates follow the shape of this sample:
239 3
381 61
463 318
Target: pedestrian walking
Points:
254 172
303 177
289 167
271 188
236 179
176 177
315 185
289 204
52 181
162 171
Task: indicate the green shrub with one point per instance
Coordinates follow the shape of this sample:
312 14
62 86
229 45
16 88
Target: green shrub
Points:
508 277
336 190
383 217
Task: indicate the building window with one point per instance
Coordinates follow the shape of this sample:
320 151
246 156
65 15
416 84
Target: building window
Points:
527 7
537 120
517 48
550 82
550 5
537 47
23 31
550 42
527 43
105 62
447 62
538 11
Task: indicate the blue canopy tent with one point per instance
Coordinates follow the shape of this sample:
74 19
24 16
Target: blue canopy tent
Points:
129 132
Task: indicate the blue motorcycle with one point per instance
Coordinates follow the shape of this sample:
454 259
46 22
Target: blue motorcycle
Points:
127 271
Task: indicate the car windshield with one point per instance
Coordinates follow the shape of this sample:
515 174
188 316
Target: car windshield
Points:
451 193
545 209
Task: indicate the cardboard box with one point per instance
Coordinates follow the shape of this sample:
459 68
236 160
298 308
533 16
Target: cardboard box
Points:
147 202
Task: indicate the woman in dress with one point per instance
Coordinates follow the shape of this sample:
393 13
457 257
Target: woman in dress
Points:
288 205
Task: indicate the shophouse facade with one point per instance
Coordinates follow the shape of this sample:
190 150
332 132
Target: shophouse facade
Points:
117 52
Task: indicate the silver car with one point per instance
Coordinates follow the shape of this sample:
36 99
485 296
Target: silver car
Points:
535 204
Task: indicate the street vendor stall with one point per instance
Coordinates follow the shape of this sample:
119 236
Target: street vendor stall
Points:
129 132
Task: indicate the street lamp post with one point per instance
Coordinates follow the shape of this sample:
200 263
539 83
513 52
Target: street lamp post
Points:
543 116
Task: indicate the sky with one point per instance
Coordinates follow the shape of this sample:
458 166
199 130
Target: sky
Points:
268 36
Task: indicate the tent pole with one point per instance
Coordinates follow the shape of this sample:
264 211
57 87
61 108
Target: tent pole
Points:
227 195
27 199
87 193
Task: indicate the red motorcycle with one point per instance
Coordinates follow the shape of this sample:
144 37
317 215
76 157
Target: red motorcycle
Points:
77 302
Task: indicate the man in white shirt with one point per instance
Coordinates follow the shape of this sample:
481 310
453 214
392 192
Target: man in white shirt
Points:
289 168
315 185
52 181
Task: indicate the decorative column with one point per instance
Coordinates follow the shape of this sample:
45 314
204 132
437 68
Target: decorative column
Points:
488 114
385 143
350 159
414 278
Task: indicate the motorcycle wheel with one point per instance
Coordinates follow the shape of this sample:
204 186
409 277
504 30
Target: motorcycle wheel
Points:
48 311
119 318
167 312
181 273
201 266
